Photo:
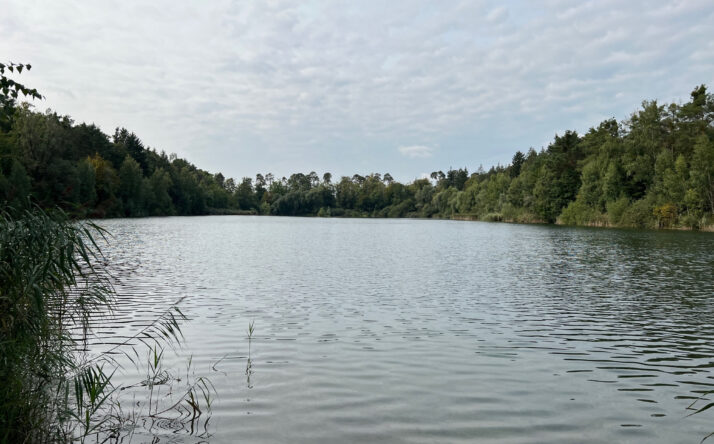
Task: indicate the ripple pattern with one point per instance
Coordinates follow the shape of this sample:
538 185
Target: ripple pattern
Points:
428 331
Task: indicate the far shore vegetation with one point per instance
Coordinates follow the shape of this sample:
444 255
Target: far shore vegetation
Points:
655 169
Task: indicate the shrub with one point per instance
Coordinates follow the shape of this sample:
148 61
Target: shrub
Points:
616 209
492 217
639 215
666 215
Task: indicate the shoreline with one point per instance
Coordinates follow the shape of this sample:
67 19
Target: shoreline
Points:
462 218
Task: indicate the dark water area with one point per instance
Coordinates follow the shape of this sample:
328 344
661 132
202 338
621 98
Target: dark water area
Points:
428 331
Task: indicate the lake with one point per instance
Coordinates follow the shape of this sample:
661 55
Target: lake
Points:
397 330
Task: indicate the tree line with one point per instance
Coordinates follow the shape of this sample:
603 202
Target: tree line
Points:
653 169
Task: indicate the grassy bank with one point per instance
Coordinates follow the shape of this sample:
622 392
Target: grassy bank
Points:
598 220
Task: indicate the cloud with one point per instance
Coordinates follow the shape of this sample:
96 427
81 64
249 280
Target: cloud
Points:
497 15
416 151
243 86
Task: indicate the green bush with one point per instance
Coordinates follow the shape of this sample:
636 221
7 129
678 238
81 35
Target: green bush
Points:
639 215
576 213
693 220
492 217
616 209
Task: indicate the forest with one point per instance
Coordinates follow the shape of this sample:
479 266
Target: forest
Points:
654 169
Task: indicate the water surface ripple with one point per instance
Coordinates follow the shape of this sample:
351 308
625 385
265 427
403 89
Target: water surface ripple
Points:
429 331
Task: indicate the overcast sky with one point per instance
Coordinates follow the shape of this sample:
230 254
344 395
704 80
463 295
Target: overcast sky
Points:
405 87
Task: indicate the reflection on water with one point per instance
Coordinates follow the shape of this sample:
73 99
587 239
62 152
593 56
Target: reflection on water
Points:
423 331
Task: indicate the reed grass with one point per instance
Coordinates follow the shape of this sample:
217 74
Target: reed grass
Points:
53 286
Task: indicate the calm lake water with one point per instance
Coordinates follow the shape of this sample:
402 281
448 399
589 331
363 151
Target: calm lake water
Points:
428 331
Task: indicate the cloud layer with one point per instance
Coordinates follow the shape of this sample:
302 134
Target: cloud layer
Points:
416 151
248 87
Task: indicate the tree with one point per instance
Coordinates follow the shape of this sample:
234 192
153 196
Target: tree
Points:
346 193
591 188
11 90
160 185
612 182
43 144
106 185
259 187
456 178
220 180
563 177
130 187
87 183
517 163
314 179
230 185
300 182
133 147
15 187
244 195
702 172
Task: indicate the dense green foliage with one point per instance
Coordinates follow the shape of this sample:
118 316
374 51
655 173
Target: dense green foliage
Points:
49 285
54 288
654 169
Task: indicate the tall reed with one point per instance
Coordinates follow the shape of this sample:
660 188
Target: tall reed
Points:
53 287
51 280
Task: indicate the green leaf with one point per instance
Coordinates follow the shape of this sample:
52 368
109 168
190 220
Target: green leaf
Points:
706 407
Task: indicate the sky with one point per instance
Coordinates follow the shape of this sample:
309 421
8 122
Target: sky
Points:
405 87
